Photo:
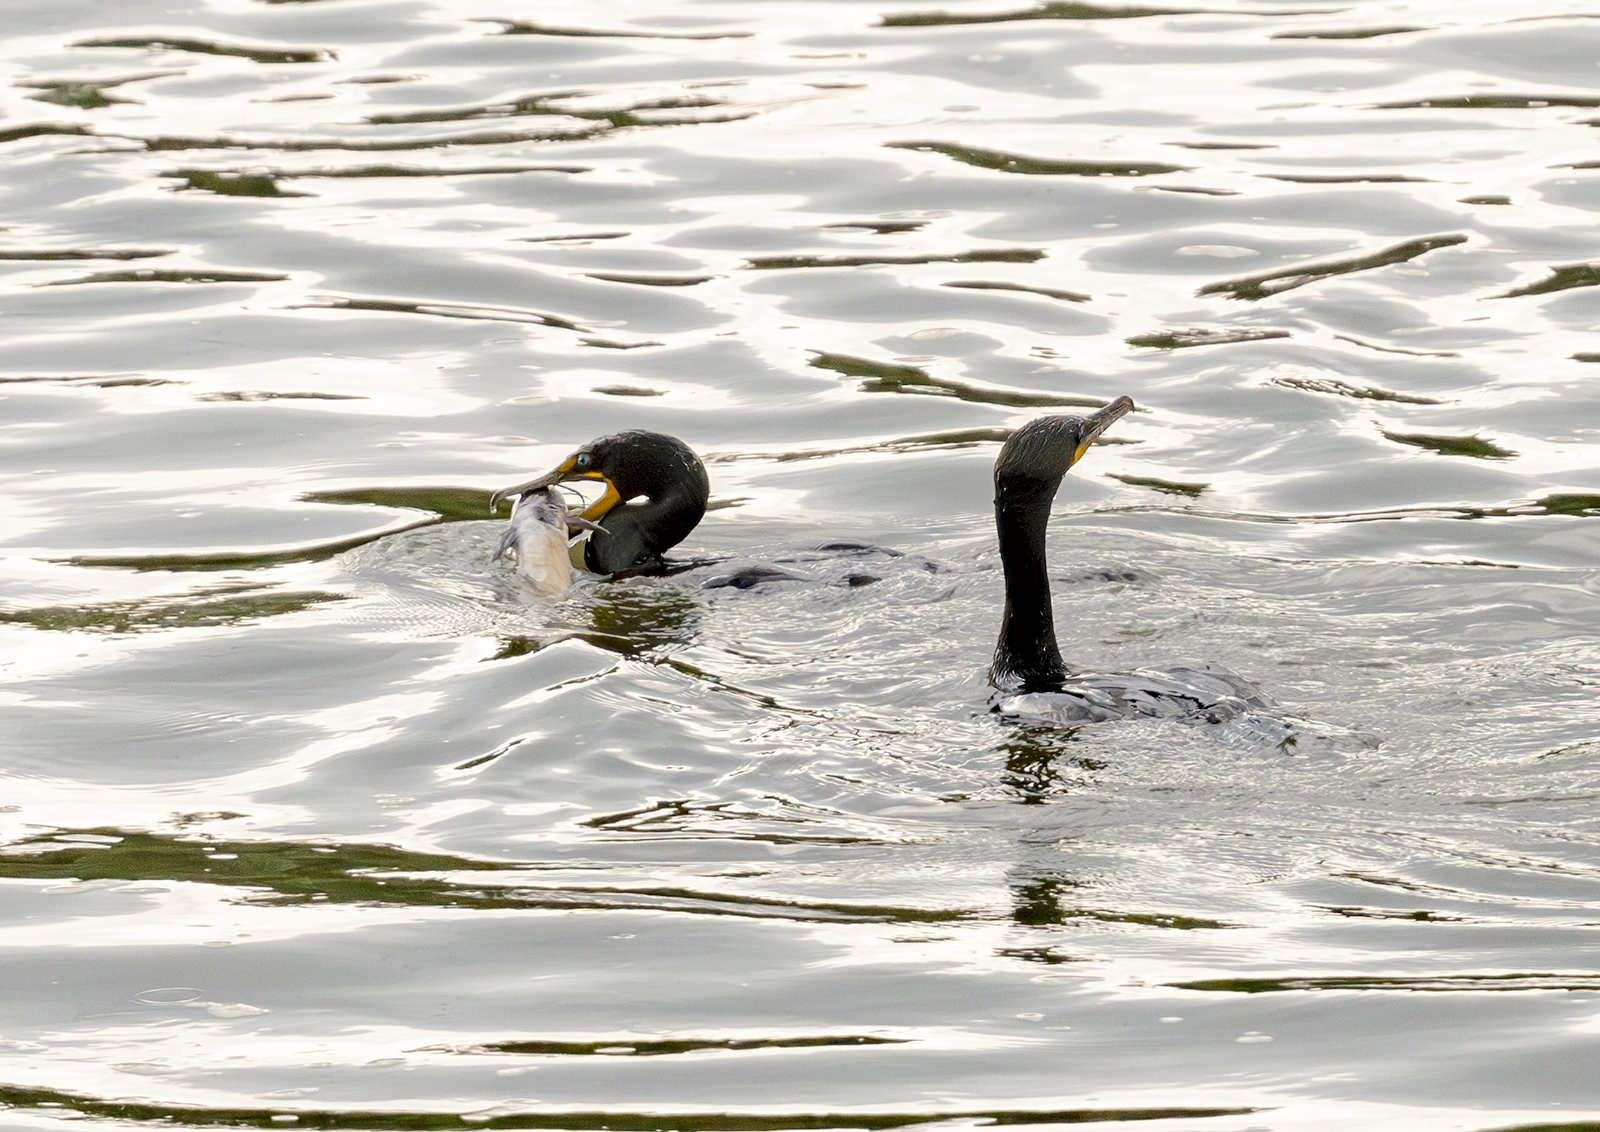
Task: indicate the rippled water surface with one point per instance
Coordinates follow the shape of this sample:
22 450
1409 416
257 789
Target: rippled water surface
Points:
310 820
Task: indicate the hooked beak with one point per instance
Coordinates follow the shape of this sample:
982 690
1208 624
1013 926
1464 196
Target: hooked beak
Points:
1094 425
564 473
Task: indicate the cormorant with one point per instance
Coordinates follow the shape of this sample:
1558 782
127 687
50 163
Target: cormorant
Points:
632 536
1030 680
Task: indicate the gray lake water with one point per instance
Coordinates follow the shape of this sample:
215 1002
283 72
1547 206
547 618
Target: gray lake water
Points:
307 820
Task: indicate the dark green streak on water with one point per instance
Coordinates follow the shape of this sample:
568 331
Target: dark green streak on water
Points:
1350 33
573 236
166 144
188 1116
276 395
87 253
1065 11
881 227
230 184
1575 505
1560 279
1344 389
249 560
1002 255
1474 446
1043 901
42 129
1253 287
442 505
1171 487
1047 292
886 377
451 504
517 27
650 280
149 276
1196 189
99 380
207 47
1421 916
1399 350
264 182
423 171
1045 955
1489 102
1220 145
302 872
692 818
1017 163
546 105
444 310
86 94
1181 339
228 606
287 868
1144 919
1542 982
1343 178
964 438
631 1048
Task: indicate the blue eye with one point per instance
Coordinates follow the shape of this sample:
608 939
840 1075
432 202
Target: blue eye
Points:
582 460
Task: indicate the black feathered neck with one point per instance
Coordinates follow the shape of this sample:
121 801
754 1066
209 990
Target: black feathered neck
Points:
1027 475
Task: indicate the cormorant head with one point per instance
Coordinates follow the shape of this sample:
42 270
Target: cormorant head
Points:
632 464
1033 461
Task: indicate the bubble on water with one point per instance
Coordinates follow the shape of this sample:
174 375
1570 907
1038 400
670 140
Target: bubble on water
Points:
168 996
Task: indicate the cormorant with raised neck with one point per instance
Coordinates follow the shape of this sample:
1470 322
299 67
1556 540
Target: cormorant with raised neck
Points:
1030 679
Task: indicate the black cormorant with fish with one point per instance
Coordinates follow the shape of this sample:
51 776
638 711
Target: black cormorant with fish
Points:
656 490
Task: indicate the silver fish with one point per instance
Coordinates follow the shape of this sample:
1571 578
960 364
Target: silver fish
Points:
538 534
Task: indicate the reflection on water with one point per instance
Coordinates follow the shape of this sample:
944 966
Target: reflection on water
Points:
1285 279
222 605
604 1121
639 619
1015 163
311 818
